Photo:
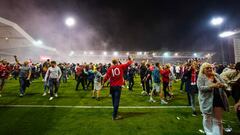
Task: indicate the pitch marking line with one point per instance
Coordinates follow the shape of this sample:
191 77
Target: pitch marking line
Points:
92 107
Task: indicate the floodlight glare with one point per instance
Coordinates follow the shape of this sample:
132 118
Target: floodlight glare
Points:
226 34
71 53
127 53
39 42
217 21
153 54
195 54
105 53
115 53
70 21
91 53
166 54
176 54
139 53
84 52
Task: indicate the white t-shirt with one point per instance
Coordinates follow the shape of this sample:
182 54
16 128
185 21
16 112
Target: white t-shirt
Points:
53 73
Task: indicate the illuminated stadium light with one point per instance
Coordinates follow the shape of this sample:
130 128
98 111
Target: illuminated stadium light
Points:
166 54
139 53
115 53
154 54
105 53
208 55
91 53
145 53
195 54
217 21
175 54
71 53
226 34
38 43
85 53
127 53
6 38
70 21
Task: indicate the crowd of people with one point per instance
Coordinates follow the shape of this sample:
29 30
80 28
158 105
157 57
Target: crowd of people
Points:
212 83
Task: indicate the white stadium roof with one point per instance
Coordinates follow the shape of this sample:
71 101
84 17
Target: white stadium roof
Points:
15 41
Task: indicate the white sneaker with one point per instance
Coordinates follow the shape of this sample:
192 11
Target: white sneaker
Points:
44 94
56 95
21 95
163 102
49 92
0 95
152 100
51 98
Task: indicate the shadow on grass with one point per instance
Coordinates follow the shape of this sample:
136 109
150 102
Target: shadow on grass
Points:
132 114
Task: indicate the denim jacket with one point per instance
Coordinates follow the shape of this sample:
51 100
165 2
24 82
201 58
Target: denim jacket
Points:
205 94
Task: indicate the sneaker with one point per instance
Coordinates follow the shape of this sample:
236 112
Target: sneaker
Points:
51 98
49 92
44 94
163 102
194 114
117 118
110 95
152 100
56 95
21 95
0 95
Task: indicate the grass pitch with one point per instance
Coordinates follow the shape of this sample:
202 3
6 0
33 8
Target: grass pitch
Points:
74 121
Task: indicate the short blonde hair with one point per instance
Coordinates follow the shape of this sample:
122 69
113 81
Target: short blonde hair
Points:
204 65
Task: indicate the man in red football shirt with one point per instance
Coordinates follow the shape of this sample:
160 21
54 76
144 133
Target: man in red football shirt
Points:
115 74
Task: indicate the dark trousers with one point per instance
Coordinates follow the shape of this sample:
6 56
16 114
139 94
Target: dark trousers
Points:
23 86
148 85
182 84
53 83
90 82
131 83
80 80
165 86
143 83
116 94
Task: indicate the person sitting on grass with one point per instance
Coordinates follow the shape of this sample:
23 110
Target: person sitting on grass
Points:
24 76
115 74
53 75
97 84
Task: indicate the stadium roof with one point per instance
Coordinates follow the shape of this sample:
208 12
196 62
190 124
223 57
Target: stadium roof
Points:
13 36
15 41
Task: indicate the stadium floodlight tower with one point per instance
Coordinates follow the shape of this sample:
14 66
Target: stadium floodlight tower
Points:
70 21
217 21
227 34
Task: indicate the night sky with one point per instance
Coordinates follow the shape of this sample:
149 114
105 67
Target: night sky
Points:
174 25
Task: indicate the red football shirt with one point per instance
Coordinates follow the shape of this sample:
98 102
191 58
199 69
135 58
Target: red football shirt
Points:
115 74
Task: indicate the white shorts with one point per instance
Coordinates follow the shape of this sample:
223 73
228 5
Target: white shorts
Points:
156 86
97 86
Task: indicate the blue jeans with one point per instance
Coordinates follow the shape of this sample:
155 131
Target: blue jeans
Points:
53 83
22 82
116 94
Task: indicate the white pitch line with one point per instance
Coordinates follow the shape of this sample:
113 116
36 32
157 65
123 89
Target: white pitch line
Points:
92 107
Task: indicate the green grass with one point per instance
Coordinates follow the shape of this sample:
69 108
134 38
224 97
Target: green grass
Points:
73 121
